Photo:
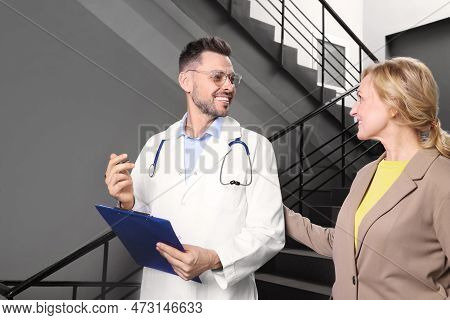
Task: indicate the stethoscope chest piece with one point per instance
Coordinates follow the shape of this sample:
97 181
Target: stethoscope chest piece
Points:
236 168
151 170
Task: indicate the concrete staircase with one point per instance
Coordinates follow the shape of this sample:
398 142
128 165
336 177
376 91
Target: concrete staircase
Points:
297 272
264 34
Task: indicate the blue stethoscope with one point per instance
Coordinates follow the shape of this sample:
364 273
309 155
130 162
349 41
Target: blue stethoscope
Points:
152 168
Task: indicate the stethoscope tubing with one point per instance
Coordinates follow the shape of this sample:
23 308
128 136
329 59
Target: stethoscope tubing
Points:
152 168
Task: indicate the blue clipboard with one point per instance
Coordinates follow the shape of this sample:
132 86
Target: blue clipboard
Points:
139 233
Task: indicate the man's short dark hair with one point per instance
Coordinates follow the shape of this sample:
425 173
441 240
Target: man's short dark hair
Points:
194 49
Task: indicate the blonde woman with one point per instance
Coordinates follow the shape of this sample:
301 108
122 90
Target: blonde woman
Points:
392 236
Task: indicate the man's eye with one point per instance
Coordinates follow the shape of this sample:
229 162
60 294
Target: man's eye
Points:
218 76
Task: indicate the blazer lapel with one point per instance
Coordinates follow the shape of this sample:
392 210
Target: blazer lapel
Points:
352 202
403 186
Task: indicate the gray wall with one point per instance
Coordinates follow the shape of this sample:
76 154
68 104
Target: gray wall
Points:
61 116
385 17
431 44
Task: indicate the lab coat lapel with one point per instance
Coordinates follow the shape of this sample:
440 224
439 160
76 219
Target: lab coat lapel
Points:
215 150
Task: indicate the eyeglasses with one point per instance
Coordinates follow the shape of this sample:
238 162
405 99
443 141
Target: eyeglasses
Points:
220 77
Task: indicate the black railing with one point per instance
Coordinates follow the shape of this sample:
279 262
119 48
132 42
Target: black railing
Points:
11 288
291 18
282 20
342 162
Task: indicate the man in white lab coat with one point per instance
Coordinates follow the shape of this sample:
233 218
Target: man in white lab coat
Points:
214 180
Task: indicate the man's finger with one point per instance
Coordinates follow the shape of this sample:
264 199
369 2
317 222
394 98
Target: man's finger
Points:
120 168
171 251
180 274
119 186
115 159
116 178
170 258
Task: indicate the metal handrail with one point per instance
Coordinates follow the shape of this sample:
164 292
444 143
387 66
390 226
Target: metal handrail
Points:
317 50
132 273
265 9
332 164
36 278
310 115
317 149
348 30
315 27
328 154
320 172
83 284
326 49
302 171
341 170
306 50
307 40
334 175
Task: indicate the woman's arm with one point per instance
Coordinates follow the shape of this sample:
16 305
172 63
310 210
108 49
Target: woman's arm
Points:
302 230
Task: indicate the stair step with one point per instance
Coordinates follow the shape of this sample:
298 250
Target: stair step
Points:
339 194
304 253
292 244
303 265
304 289
324 216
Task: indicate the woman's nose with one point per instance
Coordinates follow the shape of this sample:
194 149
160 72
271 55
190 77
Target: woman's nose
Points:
353 111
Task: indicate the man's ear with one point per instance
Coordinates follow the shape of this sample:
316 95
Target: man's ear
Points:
185 81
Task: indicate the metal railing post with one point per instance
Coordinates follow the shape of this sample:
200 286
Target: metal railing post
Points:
105 268
300 180
343 143
360 63
74 292
283 18
322 89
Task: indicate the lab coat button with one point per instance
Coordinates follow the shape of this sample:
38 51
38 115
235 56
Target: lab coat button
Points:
354 280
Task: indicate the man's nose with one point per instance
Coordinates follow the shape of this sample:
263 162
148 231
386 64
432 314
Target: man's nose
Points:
228 85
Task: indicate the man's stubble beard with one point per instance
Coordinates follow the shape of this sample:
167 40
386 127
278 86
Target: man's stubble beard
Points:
207 107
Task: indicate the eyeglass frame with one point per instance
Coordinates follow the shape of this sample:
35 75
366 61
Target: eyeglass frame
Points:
235 83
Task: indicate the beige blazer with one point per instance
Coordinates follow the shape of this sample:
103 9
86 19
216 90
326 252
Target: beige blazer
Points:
404 240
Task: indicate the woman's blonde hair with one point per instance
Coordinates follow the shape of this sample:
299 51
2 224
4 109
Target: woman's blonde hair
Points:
407 86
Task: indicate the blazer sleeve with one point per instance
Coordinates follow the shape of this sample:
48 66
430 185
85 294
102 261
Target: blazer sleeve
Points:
442 225
263 233
302 230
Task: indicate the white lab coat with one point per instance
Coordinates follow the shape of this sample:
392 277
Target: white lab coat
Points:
244 225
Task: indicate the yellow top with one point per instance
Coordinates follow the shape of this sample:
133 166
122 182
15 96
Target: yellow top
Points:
387 172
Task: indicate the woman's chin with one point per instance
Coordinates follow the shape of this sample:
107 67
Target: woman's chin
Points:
362 136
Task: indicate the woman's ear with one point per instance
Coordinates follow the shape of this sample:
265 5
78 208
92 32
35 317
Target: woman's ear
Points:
393 112
185 81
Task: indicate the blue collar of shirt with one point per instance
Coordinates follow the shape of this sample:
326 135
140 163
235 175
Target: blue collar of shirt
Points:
213 130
